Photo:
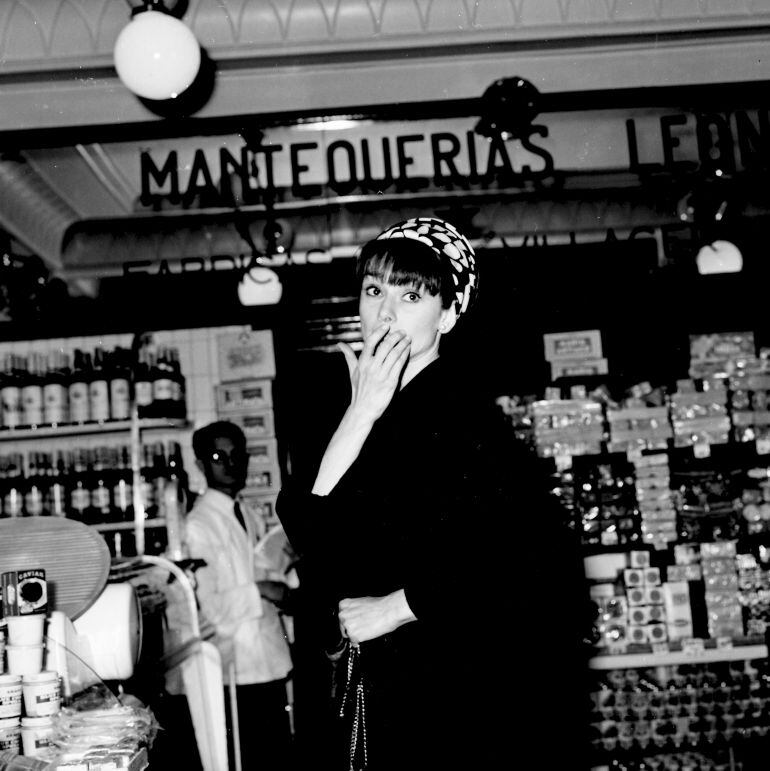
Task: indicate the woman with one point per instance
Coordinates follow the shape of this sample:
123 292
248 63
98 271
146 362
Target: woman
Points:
418 531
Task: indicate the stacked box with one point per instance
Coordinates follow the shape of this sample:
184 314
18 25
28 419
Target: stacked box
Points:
750 406
646 610
638 428
565 427
754 594
653 495
676 601
720 577
700 417
245 397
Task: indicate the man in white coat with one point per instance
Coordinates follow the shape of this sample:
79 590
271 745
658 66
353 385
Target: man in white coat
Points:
234 598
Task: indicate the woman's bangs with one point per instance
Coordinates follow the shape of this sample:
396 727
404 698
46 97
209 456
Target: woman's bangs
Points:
401 264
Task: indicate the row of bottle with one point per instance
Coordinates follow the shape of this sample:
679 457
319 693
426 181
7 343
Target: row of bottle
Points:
91 485
39 390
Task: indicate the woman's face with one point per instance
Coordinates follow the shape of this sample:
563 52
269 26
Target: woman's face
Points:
408 309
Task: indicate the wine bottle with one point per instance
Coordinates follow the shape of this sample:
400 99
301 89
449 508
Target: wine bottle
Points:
79 400
80 494
55 400
119 377
143 384
122 491
32 393
179 390
56 492
162 386
101 494
11 393
34 486
13 499
99 390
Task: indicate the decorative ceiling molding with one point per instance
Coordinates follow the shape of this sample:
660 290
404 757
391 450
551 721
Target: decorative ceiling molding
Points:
40 35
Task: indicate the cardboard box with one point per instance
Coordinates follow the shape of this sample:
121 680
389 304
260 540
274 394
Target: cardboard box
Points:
561 346
255 425
246 355
244 396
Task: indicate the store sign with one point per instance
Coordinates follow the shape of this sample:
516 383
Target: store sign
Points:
406 157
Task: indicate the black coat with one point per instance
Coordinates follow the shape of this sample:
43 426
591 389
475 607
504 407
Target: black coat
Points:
443 503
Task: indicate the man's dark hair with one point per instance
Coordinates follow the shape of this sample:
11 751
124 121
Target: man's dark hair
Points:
204 439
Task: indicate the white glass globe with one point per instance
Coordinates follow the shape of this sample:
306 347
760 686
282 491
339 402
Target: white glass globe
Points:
157 56
719 257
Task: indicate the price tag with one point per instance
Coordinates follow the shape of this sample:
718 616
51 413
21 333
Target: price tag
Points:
702 450
563 462
660 647
693 647
763 446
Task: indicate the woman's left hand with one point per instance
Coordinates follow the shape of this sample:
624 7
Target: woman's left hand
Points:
366 618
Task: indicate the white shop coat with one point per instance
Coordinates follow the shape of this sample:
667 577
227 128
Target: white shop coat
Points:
249 632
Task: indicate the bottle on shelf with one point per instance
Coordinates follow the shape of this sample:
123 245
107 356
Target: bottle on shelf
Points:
32 392
122 491
34 487
13 493
11 392
78 391
99 390
56 489
163 388
101 493
80 492
147 491
179 391
119 379
143 384
175 502
55 397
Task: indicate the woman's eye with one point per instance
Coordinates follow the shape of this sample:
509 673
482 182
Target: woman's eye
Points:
412 297
371 290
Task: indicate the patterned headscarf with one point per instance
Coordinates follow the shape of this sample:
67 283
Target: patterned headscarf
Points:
447 243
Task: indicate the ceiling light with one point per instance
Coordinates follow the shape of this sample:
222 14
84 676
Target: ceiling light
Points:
260 286
156 55
719 257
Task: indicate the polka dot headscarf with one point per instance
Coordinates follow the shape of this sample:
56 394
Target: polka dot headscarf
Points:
448 244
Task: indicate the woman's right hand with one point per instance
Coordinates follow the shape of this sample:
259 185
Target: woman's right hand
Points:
374 375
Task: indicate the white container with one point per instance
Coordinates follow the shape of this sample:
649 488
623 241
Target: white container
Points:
10 734
42 694
26 630
36 735
24 659
10 696
2 655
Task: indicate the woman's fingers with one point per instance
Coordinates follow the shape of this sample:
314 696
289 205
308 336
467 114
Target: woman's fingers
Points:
375 338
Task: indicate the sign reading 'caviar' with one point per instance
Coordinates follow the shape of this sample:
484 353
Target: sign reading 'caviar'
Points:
408 157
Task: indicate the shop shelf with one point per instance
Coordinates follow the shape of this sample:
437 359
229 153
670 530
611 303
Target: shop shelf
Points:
82 429
705 655
105 527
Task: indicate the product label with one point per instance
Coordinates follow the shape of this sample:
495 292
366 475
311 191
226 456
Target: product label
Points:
11 397
32 405
10 700
100 498
80 408
33 501
12 503
176 391
147 492
119 399
143 391
80 499
99 396
122 495
163 389
54 403
10 739
56 504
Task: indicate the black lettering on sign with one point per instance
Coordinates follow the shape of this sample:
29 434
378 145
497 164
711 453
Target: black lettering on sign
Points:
298 168
444 159
753 139
715 143
167 175
670 141
201 183
347 186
